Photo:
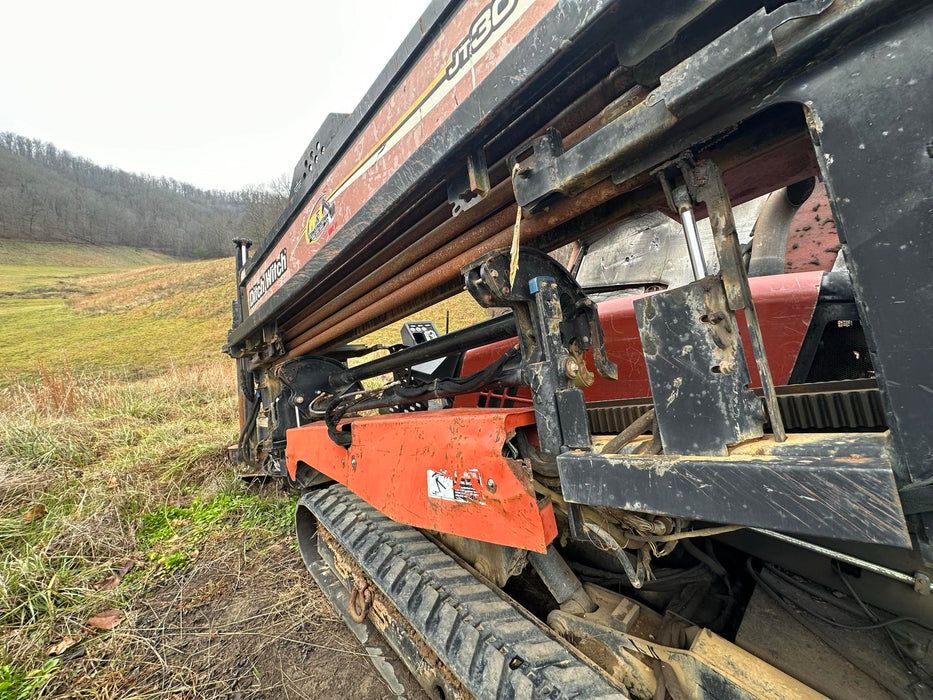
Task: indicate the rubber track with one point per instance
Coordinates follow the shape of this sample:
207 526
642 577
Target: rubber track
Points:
475 633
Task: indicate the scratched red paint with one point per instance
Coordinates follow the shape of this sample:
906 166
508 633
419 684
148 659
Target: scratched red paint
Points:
785 305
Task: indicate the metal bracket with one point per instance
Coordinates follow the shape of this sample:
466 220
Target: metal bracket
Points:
467 188
699 378
705 184
702 183
556 322
744 63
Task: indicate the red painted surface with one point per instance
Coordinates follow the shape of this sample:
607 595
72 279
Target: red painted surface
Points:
785 305
401 464
398 128
812 242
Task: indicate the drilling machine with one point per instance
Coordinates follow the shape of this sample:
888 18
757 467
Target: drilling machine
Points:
689 453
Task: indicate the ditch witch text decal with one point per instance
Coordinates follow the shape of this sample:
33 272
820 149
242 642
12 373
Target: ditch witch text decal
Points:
273 271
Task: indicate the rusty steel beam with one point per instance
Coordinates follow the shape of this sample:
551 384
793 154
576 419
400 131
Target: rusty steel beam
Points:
411 241
441 244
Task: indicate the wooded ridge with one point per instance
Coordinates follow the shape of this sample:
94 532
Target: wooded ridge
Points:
48 194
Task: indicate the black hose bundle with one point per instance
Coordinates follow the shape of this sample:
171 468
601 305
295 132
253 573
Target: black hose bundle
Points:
249 426
413 393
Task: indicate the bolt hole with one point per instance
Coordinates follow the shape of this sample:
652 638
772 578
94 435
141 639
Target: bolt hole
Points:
705 318
516 662
438 693
716 369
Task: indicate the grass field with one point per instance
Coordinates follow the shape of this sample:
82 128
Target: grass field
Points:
134 563
84 308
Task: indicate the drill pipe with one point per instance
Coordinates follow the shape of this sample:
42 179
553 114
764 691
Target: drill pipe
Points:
410 246
405 269
439 267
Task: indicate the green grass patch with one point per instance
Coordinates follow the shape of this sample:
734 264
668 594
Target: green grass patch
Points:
23 685
173 534
43 280
47 333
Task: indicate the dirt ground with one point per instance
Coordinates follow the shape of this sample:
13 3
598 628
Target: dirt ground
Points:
243 626
250 628
240 621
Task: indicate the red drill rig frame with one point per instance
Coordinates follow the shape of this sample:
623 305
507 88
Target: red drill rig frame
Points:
694 447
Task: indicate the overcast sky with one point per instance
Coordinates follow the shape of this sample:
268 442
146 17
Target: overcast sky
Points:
218 94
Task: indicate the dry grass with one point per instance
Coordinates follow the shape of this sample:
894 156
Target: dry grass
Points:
113 437
135 472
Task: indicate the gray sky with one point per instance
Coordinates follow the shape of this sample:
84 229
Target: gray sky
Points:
219 94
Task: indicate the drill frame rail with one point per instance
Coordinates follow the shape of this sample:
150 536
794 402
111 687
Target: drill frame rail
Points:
503 130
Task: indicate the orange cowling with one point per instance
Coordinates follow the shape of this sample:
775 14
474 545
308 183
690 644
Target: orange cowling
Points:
439 470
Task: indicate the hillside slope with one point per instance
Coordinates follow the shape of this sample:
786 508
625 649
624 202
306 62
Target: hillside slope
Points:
48 194
115 308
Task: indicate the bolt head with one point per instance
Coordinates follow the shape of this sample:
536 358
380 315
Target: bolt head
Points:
571 368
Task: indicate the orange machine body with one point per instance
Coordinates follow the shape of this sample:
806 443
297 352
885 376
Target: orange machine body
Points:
439 470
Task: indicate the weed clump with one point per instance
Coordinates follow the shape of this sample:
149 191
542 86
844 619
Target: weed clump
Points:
173 534
20 685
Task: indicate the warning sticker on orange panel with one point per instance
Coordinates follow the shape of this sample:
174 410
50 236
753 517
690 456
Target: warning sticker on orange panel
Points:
450 486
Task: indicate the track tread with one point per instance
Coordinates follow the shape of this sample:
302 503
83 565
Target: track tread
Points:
478 636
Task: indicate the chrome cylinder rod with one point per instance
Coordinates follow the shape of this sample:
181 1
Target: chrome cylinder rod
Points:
691 232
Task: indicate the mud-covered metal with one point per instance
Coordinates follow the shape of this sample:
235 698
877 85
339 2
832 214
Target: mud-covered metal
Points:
697 370
835 486
828 406
742 63
853 66
710 668
786 304
705 184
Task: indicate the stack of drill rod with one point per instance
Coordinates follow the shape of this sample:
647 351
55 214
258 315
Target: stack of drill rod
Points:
417 257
